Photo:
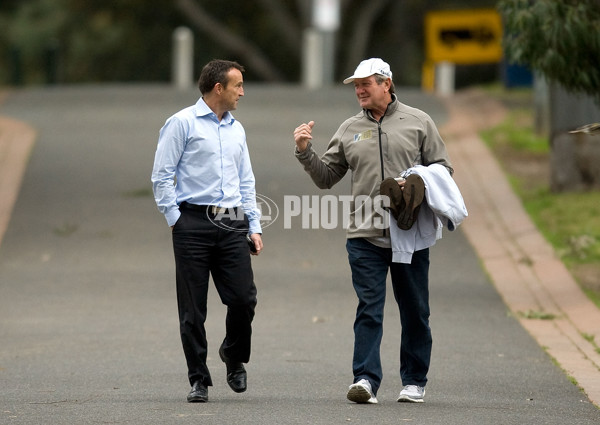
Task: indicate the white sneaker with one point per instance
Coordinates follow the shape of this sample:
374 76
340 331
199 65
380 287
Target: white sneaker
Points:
412 394
361 392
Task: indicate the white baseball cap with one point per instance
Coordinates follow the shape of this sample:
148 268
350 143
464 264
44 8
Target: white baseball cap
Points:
370 67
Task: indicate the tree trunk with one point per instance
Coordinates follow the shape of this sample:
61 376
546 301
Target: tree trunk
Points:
251 56
574 158
291 33
362 29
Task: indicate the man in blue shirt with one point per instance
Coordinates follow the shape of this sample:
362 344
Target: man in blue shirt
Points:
204 185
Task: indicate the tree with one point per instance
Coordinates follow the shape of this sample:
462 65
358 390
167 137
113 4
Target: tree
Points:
560 39
287 28
235 43
130 40
121 40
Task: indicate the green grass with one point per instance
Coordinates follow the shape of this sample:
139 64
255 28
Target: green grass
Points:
515 133
538 315
595 297
569 221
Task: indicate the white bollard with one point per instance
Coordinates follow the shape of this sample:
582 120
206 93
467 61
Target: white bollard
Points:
444 78
183 59
312 54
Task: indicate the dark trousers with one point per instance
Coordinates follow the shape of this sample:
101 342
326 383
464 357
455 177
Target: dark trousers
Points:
370 265
205 244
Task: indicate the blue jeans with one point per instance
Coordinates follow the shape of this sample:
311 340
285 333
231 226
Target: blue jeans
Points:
369 265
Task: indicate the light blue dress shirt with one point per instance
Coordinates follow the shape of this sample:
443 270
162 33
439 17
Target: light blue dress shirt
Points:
202 161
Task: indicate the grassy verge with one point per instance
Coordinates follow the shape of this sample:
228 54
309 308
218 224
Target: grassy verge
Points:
569 221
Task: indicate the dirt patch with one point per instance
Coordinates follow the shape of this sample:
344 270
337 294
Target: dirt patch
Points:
533 170
588 276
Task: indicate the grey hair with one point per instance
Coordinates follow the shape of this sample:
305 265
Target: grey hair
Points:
380 79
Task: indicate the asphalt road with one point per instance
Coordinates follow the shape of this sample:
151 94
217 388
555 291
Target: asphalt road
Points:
88 318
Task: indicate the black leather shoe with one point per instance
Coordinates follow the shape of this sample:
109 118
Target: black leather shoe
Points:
198 394
236 373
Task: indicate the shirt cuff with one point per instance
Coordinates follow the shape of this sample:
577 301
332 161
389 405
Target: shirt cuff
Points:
305 153
172 216
255 227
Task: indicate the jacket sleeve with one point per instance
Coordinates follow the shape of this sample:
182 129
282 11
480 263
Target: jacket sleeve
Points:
327 170
434 149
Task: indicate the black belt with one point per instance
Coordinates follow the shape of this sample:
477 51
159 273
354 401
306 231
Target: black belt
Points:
211 209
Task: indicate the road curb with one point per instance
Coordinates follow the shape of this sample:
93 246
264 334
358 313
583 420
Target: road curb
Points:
520 262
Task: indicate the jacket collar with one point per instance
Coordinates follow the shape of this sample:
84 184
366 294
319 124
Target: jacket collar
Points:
390 108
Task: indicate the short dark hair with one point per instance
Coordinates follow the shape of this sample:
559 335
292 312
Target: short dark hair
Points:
216 72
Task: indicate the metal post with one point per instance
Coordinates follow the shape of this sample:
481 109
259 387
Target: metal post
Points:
183 58
312 71
319 44
444 78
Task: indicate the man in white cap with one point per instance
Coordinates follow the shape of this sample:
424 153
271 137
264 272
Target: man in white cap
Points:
383 140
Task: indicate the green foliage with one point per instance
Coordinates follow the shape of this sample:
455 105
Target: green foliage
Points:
32 31
92 40
130 40
558 38
126 41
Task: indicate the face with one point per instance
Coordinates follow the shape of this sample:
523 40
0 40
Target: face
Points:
371 95
234 90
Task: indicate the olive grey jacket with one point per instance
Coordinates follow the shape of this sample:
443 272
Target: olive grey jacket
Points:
372 150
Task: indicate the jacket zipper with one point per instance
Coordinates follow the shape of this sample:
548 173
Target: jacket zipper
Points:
380 150
384 233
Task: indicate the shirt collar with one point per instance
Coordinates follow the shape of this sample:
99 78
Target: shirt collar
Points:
203 110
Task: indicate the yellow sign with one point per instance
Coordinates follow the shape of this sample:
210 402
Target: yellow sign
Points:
464 36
